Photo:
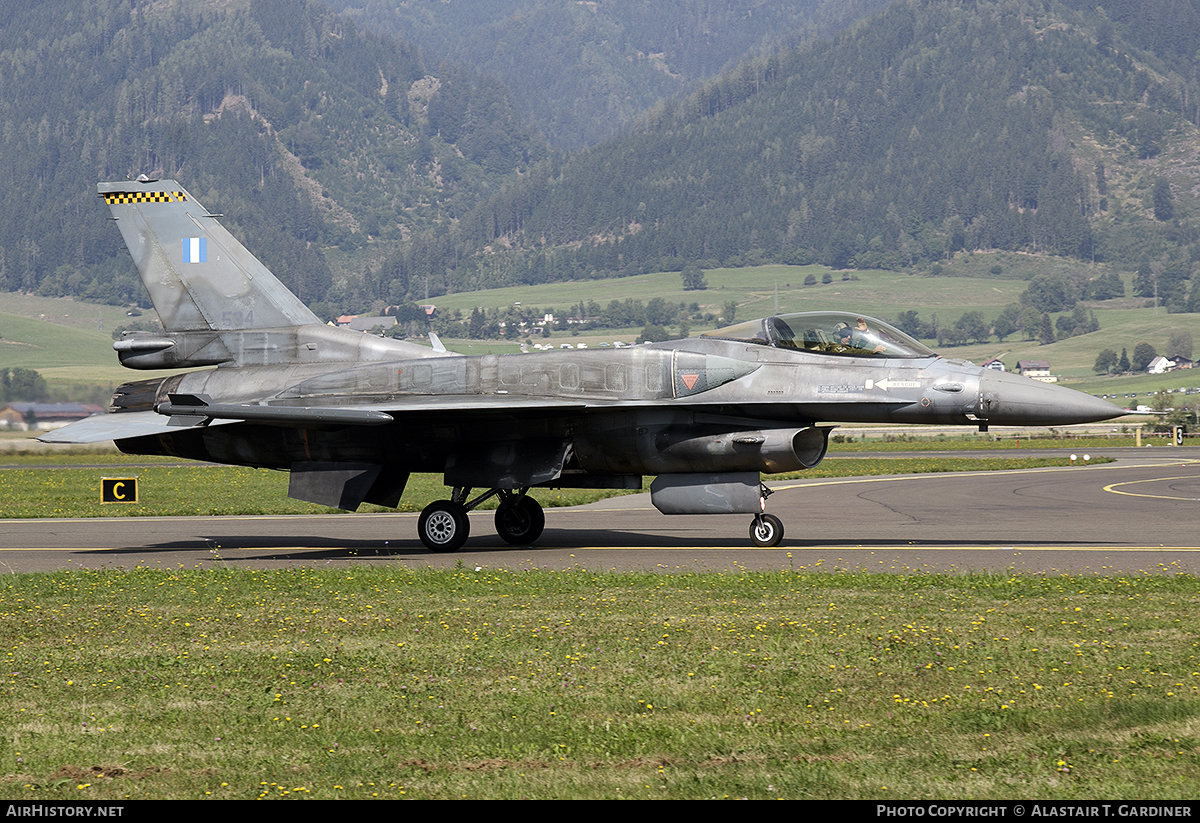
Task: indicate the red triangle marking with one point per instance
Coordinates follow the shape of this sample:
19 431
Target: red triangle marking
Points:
689 380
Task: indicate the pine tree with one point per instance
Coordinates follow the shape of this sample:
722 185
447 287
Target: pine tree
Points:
1046 331
1164 202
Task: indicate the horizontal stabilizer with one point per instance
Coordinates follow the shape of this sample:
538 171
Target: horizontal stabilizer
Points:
101 427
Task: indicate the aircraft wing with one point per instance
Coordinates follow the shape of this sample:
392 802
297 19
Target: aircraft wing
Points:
101 427
186 411
349 412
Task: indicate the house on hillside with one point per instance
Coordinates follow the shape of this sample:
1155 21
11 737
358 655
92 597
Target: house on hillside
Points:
1159 365
1036 370
995 364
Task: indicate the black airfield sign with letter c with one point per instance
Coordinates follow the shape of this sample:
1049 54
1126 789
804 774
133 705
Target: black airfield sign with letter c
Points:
118 490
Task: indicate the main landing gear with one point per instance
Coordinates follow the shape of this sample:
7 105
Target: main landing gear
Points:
444 526
766 530
520 521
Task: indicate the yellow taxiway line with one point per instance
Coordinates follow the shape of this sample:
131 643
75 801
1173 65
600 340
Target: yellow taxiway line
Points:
1112 488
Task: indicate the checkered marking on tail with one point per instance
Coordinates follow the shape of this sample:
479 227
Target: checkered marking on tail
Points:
130 197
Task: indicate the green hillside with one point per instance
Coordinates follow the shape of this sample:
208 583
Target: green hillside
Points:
754 290
36 344
77 362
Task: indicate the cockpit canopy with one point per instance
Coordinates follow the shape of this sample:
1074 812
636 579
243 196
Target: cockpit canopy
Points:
827 332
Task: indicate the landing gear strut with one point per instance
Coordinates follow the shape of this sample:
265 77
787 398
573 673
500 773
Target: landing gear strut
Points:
766 530
444 527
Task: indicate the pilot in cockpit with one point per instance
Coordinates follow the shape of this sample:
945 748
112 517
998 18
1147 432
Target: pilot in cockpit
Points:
843 339
856 339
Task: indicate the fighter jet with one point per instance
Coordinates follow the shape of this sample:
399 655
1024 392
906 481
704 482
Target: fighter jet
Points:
352 415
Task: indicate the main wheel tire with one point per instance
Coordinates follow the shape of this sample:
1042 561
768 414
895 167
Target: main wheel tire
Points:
444 526
766 530
520 520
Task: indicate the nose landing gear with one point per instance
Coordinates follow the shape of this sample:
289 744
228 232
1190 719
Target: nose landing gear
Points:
766 530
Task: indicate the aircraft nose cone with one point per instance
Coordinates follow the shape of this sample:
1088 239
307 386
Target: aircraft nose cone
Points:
1013 400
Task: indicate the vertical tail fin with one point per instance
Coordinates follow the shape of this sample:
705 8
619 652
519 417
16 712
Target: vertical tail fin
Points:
198 275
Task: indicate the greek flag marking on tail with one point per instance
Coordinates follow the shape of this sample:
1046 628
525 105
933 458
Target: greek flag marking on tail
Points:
195 249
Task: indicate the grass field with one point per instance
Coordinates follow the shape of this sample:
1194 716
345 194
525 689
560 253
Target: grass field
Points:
754 289
492 683
489 683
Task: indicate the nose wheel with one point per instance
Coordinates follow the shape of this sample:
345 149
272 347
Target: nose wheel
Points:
766 530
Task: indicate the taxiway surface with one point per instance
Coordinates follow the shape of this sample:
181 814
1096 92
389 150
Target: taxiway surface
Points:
1136 514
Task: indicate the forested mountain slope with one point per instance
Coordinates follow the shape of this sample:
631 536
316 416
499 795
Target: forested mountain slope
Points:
1043 126
306 132
1029 125
586 70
